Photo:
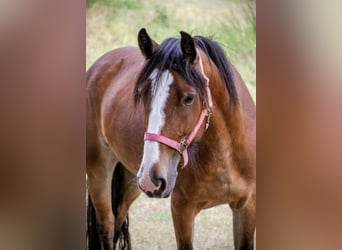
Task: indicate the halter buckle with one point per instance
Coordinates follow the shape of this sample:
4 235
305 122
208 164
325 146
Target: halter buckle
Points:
183 145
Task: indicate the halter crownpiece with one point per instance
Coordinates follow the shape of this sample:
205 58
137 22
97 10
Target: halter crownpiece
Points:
182 146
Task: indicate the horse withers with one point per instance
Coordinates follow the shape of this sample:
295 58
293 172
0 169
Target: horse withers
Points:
174 119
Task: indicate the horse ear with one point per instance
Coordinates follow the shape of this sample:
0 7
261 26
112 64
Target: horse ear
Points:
146 44
188 47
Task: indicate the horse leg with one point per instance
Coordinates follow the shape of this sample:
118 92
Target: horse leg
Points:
100 188
129 193
244 223
183 215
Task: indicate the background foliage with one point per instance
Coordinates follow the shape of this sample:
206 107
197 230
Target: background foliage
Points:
112 24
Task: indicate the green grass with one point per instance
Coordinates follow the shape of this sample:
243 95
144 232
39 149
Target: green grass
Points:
151 226
112 24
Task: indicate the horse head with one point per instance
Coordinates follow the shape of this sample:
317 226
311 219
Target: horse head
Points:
174 90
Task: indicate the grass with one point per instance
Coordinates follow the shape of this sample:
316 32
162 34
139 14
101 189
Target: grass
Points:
112 24
151 226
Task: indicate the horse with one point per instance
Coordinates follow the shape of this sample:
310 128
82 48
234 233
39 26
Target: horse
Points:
170 120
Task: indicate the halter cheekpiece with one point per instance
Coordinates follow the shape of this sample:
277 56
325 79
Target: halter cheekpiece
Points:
182 146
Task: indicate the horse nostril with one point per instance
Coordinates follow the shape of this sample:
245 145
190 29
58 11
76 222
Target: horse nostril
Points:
163 183
161 186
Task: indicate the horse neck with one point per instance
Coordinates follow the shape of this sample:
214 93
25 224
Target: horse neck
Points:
226 135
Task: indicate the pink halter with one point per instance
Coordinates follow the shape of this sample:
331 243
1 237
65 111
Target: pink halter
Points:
182 146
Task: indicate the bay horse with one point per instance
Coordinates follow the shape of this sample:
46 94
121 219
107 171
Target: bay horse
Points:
174 119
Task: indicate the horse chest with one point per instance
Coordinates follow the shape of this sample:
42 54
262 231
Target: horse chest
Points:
209 189
216 188
213 189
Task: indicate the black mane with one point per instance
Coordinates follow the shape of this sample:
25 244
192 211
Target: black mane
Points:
169 56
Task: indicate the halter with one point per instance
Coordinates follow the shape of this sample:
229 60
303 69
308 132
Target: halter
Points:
182 146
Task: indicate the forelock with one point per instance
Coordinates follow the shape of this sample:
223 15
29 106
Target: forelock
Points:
168 56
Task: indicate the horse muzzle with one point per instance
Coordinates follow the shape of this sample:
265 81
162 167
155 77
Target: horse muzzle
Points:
156 184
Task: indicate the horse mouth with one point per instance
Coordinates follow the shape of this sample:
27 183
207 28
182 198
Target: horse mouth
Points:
157 194
161 192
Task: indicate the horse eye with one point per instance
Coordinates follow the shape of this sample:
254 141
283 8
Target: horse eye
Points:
189 99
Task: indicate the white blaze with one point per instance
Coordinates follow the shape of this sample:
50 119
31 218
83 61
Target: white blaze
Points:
157 117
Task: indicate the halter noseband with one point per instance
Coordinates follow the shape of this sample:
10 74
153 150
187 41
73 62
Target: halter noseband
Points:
182 146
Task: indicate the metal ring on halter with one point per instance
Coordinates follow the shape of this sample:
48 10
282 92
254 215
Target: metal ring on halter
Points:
184 145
